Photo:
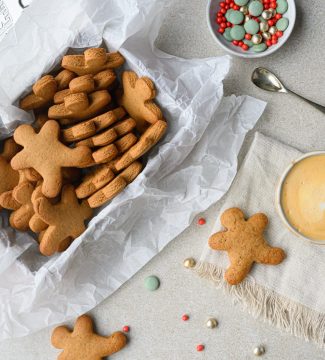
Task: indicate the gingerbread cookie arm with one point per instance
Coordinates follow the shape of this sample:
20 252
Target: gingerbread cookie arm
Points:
36 224
258 222
219 241
60 337
51 240
145 143
111 344
269 255
7 201
45 210
238 269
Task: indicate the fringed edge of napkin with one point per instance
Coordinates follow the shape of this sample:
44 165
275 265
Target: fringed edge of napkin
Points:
266 304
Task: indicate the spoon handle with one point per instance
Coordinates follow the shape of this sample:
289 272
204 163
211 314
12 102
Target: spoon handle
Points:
317 106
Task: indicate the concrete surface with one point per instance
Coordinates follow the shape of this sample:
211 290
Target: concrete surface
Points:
157 330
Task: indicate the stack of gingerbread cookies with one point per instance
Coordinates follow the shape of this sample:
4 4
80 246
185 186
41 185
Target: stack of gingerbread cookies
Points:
83 149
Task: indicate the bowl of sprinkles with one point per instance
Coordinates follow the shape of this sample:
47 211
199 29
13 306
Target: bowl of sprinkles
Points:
251 28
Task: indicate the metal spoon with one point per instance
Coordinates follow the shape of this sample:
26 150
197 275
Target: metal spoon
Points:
266 80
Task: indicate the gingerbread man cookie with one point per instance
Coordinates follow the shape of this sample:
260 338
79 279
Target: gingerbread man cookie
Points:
47 155
83 343
65 219
43 92
137 99
87 84
245 244
92 62
80 106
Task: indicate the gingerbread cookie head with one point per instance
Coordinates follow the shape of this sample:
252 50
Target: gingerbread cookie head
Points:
137 100
47 155
43 92
245 244
65 219
83 343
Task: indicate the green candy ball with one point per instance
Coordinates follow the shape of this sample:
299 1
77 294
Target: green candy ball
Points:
227 35
282 24
151 283
237 32
255 8
259 48
252 27
241 2
236 17
227 16
282 6
248 42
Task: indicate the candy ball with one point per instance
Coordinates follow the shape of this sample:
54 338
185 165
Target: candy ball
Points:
282 6
237 32
244 10
255 8
282 24
249 43
227 15
259 48
259 350
251 27
273 30
236 17
227 35
241 2
212 323
266 35
257 39
264 26
151 283
247 18
189 263
267 14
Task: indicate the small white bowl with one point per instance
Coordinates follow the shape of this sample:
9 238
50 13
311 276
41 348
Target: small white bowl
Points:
278 194
213 8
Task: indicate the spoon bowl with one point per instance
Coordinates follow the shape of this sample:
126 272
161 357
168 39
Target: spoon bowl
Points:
266 80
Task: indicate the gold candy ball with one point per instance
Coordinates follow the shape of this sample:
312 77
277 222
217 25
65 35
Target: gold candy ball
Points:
273 30
264 26
244 9
247 17
212 323
257 39
273 12
266 35
267 14
189 263
259 351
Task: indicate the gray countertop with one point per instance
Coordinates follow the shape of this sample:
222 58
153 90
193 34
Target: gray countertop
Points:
157 332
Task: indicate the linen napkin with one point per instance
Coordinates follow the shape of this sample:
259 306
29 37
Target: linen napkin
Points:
290 295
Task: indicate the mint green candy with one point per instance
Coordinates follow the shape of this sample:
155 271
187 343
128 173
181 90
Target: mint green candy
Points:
282 6
282 24
151 283
237 32
227 35
227 16
241 2
248 42
259 48
255 8
252 27
236 17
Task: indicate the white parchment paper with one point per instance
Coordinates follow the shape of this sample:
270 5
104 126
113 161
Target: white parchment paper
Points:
192 167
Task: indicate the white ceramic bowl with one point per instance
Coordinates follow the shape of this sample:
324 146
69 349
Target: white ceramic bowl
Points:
278 198
213 8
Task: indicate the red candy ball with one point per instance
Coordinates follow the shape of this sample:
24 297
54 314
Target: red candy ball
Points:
240 43
222 4
273 5
270 22
221 30
236 7
185 317
223 11
279 33
268 43
126 329
248 36
229 24
201 221
278 16
245 47
235 42
274 41
231 5
223 25
200 347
